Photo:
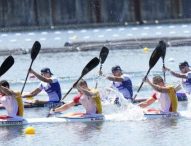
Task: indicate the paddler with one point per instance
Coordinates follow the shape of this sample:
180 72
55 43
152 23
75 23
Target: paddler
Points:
11 100
89 98
49 84
121 82
185 75
166 95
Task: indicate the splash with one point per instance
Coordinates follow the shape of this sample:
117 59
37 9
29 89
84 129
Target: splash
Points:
129 113
123 110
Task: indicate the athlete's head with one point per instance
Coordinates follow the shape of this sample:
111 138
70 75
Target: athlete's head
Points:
158 80
82 83
4 83
116 70
46 72
184 67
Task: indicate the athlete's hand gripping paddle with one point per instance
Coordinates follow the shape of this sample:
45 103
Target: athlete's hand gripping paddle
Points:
34 52
102 57
91 65
157 53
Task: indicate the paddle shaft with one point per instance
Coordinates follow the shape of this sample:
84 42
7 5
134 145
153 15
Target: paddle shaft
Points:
27 76
99 75
141 84
164 72
71 88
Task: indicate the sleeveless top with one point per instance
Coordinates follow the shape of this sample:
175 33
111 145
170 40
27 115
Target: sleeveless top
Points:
168 101
91 104
10 104
52 89
187 82
125 87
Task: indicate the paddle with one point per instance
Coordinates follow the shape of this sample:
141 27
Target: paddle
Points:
162 45
102 57
153 60
34 52
91 65
8 62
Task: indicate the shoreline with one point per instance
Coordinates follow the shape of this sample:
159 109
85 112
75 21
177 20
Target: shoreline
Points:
112 45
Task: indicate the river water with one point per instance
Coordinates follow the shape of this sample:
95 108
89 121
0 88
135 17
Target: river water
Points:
124 126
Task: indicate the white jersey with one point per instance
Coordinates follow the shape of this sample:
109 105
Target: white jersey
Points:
165 102
88 104
187 82
10 104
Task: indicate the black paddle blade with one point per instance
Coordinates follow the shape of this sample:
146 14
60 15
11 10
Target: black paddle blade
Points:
103 54
91 65
162 46
35 50
9 61
157 53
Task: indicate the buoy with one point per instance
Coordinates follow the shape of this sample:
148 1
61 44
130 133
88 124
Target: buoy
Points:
146 49
29 130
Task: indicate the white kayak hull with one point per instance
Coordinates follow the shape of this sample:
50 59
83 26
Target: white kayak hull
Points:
59 119
162 115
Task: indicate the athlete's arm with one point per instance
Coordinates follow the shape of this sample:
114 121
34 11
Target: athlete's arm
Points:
64 107
157 87
7 91
146 103
115 79
40 77
33 93
178 75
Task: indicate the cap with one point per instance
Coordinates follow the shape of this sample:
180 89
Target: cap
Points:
183 64
46 70
115 68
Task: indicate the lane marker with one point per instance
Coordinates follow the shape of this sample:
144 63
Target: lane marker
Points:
4 35
101 36
109 29
28 39
31 33
70 31
146 28
171 26
83 31
43 39
158 33
18 34
44 33
96 30
134 28
13 40
186 31
184 26
57 32
115 35
57 38
86 37
172 32
159 27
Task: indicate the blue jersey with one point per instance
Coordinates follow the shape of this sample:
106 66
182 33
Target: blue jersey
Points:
125 87
187 83
52 89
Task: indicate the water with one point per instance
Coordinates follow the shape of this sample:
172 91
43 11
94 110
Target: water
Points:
124 127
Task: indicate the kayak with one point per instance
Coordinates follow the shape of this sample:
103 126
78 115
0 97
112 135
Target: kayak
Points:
162 115
32 105
58 119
